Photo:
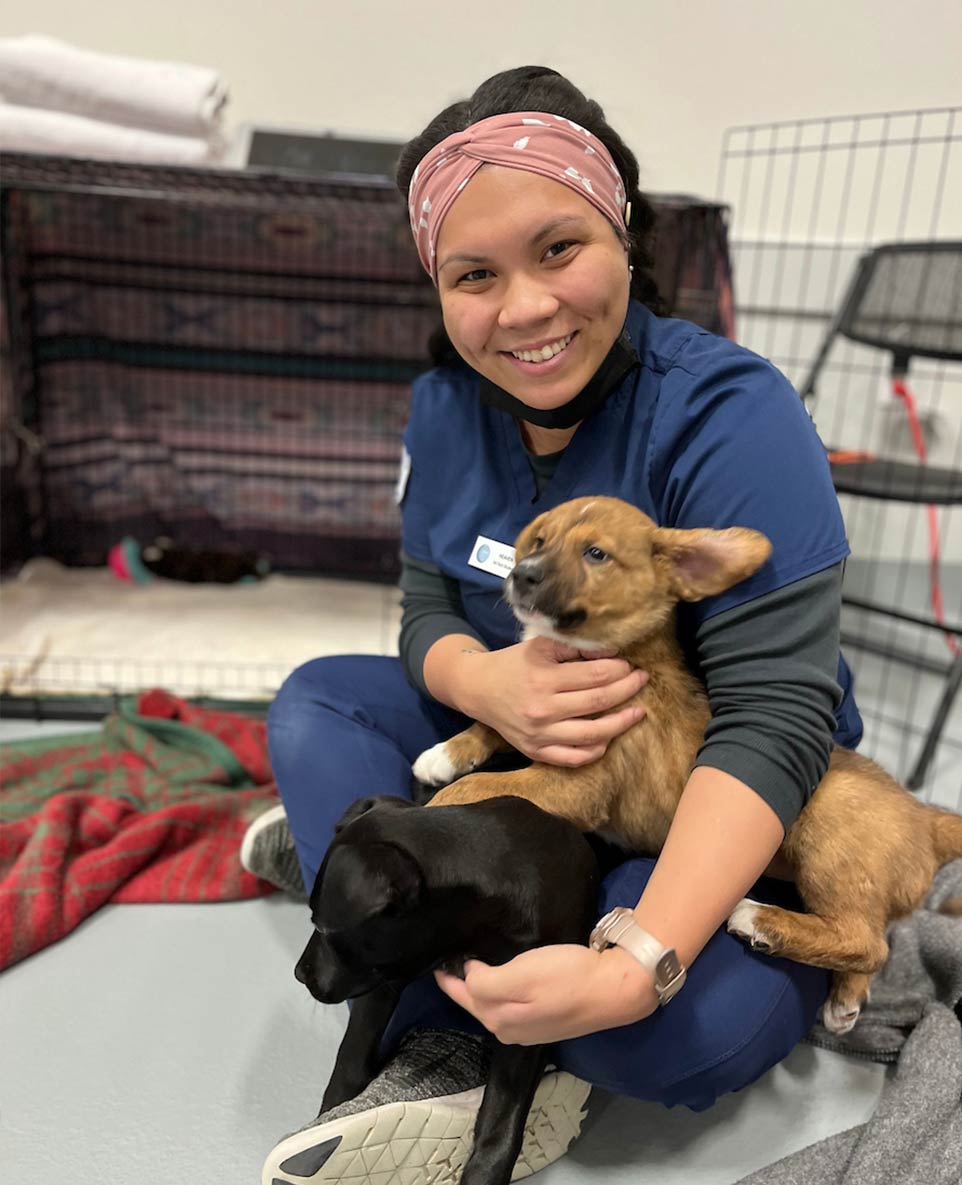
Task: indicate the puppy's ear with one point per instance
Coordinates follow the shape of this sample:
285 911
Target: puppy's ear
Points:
354 811
363 805
703 563
526 539
395 882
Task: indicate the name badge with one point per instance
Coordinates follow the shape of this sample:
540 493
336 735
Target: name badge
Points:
402 479
491 556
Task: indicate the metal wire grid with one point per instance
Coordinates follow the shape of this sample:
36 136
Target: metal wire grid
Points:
808 197
32 689
212 357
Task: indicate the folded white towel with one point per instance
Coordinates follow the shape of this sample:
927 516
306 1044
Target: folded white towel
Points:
28 129
39 71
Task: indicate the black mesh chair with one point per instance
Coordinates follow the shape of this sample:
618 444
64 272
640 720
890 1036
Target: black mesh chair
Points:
904 299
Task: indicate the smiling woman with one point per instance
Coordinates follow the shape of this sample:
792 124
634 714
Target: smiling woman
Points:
556 377
533 304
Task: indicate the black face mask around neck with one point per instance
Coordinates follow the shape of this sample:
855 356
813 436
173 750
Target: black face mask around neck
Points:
620 360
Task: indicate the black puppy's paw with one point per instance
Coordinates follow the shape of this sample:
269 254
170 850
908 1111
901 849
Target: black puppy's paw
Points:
341 1089
454 966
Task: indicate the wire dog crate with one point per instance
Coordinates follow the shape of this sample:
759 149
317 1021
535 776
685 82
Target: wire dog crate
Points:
223 358
812 201
210 356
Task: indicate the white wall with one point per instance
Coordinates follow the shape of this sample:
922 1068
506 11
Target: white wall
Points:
672 75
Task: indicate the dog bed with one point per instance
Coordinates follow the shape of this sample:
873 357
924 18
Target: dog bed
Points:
81 631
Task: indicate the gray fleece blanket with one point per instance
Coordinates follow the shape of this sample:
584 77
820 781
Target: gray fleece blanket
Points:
915 1135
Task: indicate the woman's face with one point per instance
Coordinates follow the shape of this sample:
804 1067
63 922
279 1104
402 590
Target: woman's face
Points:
525 262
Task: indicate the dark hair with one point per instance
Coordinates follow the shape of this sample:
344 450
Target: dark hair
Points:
539 88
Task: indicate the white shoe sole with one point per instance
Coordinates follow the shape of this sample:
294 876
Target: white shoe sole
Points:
255 829
424 1142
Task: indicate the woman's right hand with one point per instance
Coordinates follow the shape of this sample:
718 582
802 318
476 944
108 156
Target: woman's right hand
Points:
551 702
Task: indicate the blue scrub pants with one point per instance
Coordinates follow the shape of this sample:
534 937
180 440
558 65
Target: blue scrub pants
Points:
345 727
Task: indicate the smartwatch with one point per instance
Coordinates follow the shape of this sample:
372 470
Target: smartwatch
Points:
619 928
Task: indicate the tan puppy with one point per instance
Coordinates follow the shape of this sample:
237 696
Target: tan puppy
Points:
596 573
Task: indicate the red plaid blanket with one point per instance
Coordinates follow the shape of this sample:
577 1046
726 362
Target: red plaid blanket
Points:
151 808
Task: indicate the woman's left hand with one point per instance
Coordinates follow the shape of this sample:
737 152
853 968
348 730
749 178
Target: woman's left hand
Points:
553 993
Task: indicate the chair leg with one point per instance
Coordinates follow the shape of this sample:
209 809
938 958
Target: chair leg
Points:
953 681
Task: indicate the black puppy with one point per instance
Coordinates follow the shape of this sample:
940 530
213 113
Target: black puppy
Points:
404 890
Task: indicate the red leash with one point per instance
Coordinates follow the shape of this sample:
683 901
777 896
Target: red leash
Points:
902 392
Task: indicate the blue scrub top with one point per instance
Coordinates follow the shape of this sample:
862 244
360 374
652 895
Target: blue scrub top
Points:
703 434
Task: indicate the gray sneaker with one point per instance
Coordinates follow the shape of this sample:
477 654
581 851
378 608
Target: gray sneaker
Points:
414 1124
268 851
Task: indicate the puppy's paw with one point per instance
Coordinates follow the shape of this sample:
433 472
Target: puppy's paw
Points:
840 1017
743 923
454 966
434 767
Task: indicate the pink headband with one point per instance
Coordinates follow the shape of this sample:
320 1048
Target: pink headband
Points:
535 141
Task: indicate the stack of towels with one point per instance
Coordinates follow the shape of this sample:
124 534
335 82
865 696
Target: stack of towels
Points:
59 99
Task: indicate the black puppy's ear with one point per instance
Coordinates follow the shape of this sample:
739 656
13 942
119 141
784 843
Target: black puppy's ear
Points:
363 805
354 811
395 882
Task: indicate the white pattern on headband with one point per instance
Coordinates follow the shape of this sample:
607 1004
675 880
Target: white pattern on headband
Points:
571 123
522 143
571 171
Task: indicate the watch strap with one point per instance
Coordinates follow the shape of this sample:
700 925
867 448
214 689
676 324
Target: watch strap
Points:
619 928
